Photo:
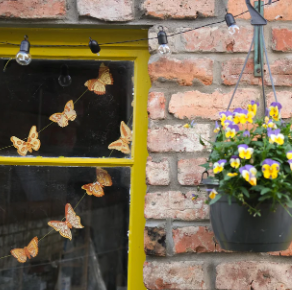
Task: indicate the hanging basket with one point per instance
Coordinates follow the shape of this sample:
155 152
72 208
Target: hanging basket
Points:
237 230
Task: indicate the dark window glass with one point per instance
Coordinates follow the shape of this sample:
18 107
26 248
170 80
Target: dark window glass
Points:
29 95
95 259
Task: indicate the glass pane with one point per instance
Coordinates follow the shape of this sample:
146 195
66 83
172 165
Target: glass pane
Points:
95 258
29 95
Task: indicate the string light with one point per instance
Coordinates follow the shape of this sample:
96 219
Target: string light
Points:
23 57
162 41
94 46
231 23
64 79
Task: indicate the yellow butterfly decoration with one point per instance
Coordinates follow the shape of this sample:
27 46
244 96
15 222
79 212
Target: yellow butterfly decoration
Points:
104 78
122 143
27 252
63 118
32 142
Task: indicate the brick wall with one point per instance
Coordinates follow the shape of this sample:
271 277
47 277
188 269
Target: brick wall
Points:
196 82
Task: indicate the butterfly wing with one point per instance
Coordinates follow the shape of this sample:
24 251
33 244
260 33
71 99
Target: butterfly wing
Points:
60 119
19 145
33 247
33 139
96 86
62 228
126 133
72 218
94 189
19 254
120 145
103 177
104 75
69 111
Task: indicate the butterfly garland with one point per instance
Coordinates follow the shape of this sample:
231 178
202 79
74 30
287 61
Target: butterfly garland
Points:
69 114
96 188
122 143
72 221
27 252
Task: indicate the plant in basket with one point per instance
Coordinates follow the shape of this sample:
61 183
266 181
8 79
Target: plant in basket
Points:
252 162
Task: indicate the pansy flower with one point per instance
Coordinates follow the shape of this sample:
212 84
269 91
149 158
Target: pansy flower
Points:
246 117
275 111
234 162
253 107
230 174
219 166
217 127
246 133
190 125
225 116
237 114
248 172
231 131
244 151
275 136
194 196
270 168
269 123
290 163
213 193
289 155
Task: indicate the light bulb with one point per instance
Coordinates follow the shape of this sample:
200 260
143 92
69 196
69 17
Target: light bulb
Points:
23 57
94 46
233 29
164 49
64 79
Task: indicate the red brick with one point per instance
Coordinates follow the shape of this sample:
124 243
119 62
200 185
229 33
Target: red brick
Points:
175 205
286 253
197 239
33 9
194 104
156 106
281 71
157 173
177 139
107 10
182 71
254 275
277 11
285 98
174 275
177 9
154 241
190 171
282 39
217 39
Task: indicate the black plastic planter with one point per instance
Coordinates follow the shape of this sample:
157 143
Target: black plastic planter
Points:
236 230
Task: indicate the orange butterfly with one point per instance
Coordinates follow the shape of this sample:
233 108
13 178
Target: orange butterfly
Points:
72 221
125 139
63 118
32 142
104 78
96 188
27 252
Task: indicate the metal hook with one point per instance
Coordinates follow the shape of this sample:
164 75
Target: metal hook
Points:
256 17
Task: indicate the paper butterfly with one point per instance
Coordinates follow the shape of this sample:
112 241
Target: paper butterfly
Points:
125 139
104 78
68 114
96 188
32 142
27 252
72 221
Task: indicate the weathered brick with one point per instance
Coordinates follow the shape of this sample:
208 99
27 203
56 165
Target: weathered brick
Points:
33 9
277 11
182 71
282 39
254 275
190 171
107 10
216 39
157 173
285 98
175 205
154 241
198 239
194 104
281 71
176 9
174 275
177 139
156 106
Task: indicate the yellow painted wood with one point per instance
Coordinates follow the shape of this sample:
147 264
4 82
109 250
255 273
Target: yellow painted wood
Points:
137 52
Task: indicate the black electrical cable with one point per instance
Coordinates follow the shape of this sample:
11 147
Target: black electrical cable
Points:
140 39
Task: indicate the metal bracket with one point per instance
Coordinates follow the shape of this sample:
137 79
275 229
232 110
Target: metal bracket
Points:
258 43
256 17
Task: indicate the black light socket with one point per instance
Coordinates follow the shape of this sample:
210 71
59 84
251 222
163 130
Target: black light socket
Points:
94 46
25 45
229 18
162 37
64 79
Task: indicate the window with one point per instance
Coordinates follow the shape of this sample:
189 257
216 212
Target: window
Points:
107 254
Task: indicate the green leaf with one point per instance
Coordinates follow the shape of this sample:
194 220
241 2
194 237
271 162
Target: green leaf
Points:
289 203
244 191
201 142
264 198
258 143
229 199
206 165
218 196
258 187
265 190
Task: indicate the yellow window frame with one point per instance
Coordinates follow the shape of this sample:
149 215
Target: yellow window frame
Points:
136 52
